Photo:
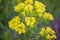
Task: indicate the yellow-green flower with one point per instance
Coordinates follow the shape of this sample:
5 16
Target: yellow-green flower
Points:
30 21
29 2
39 4
42 32
23 13
16 25
40 14
14 22
49 30
53 36
40 10
22 28
48 33
19 7
51 17
48 16
48 36
28 8
39 7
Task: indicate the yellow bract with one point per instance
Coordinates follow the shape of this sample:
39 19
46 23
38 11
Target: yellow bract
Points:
40 7
30 21
14 22
16 25
39 4
42 32
19 7
40 10
48 16
51 33
48 33
53 36
29 2
28 8
22 28
40 14
49 30
23 13
48 36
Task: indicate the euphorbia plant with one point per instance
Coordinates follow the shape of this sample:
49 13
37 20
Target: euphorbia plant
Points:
30 14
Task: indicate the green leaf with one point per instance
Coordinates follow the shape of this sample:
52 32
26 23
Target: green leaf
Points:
28 34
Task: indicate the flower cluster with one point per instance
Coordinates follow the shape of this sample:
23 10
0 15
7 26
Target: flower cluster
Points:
30 7
30 21
16 25
40 7
30 13
48 33
48 16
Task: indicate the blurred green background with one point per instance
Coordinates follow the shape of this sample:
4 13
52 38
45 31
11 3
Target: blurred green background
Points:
7 12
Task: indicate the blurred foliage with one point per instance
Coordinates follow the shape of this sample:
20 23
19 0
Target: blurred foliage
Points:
7 12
